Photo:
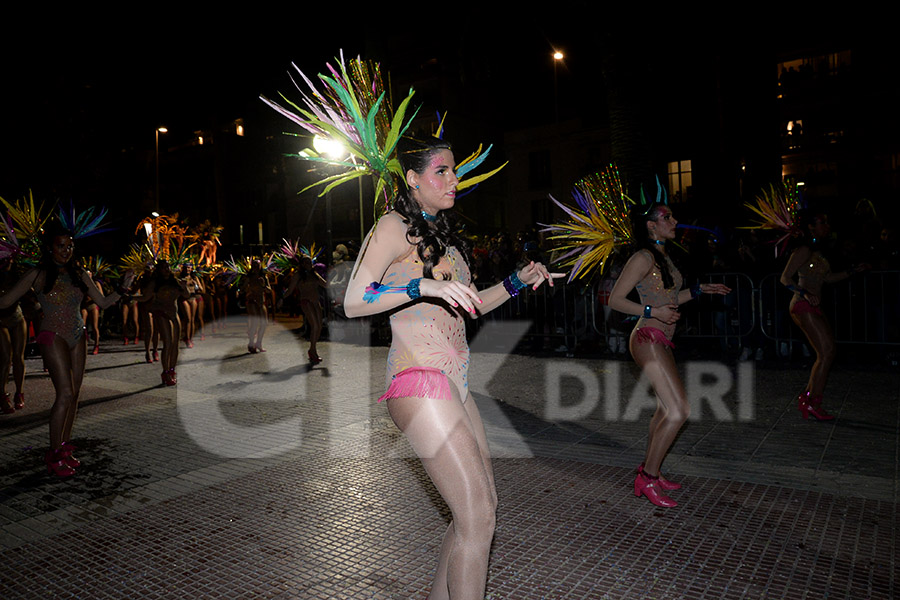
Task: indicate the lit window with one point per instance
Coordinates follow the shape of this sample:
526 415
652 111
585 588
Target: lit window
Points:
680 180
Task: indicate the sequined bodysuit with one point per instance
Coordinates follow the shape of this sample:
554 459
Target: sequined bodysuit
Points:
811 275
429 332
651 291
62 311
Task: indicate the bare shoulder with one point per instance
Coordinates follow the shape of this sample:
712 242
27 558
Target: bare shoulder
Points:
641 260
390 232
391 224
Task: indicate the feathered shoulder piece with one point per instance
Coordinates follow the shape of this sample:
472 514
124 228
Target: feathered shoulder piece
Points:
777 209
353 109
599 223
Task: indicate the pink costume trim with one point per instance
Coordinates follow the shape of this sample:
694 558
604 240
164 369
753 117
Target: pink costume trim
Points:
45 337
802 307
652 335
418 382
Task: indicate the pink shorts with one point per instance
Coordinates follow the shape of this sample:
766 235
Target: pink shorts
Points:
801 307
652 335
418 382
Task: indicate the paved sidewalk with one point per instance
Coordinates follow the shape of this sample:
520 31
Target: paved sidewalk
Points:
260 477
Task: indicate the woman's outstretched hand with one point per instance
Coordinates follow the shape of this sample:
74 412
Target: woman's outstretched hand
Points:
715 288
534 274
453 293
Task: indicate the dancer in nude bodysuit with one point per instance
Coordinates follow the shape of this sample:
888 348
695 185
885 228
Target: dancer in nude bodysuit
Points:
413 266
658 283
811 270
60 285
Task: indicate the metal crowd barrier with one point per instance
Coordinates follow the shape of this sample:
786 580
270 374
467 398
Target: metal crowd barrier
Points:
864 309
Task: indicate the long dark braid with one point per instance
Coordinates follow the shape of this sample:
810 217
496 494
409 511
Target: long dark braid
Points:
434 238
640 217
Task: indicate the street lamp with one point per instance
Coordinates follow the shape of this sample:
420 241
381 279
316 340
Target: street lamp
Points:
557 57
335 150
158 131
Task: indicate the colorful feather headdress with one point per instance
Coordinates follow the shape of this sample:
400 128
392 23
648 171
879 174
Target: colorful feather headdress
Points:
100 269
599 223
138 258
777 209
292 253
21 229
352 109
236 270
84 224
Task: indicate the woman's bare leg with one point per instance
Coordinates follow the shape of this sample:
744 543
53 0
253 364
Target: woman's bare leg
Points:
312 314
444 436
188 321
78 357
198 315
672 410
94 317
818 332
5 357
18 334
58 361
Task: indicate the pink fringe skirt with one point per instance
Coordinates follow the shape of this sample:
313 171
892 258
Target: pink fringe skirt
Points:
652 335
801 307
418 382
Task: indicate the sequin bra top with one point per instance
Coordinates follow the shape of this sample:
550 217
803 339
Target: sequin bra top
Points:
651 291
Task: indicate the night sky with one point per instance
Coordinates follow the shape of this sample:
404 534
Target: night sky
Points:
85 88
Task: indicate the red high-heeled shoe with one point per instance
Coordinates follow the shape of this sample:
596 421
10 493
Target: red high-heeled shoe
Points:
56 465
65 453
7 407
96 349
313 357
648 486
812 405
155 356
19 401
169 377
664 484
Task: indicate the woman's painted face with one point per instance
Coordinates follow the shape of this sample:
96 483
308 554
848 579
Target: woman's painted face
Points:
664 225
437 184
62 249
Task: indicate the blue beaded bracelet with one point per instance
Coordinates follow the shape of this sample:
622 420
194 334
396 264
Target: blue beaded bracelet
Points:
513 284
412 288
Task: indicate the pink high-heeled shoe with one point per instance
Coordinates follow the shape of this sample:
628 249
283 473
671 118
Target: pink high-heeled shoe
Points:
664 484
19 401
812 405
65 453
56 465
648 486
7 407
